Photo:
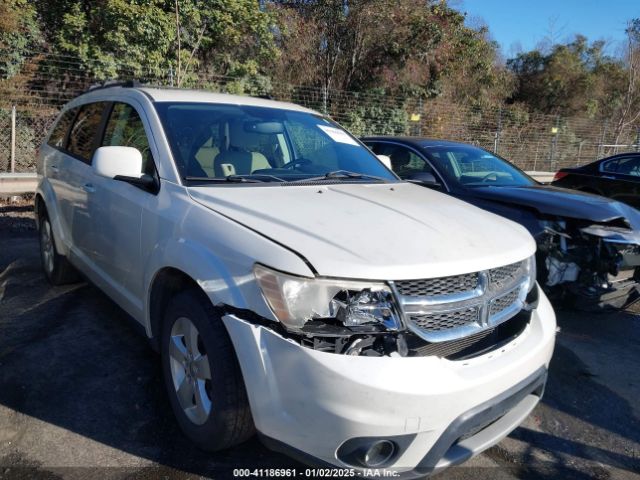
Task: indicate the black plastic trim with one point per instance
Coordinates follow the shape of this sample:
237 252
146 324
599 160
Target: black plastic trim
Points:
483 414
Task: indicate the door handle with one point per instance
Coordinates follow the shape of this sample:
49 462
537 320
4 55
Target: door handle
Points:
53 168
89 188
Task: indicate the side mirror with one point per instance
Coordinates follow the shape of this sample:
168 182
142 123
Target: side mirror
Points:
112 162
124 164
386 160
423 178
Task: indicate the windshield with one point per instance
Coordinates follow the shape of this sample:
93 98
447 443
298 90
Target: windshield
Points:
467 166
218 142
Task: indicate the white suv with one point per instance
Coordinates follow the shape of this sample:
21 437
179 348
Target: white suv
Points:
293 285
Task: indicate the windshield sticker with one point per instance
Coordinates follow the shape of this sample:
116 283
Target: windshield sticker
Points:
338 135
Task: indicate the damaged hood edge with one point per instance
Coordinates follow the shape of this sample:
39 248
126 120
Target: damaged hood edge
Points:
561 202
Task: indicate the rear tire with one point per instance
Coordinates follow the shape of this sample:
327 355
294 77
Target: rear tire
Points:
56 267
202 374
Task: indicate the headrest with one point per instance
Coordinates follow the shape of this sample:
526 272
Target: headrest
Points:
240 138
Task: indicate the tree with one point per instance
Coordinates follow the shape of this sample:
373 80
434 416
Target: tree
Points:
233 37
19 34
405 47
628 113
574 78
145 38
110 38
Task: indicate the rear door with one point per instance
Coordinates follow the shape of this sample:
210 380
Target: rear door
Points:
57 161
77 180
620 179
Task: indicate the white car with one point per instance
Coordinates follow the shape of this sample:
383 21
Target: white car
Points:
293 285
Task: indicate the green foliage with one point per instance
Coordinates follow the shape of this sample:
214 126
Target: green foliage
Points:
374 118
138 38
112 38
19 34
573 78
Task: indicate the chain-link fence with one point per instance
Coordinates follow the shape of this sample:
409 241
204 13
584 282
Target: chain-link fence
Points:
531 141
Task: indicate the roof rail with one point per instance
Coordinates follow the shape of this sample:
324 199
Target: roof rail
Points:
264 96
115 83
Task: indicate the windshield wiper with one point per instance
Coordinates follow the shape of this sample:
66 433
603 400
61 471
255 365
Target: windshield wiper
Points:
236 179
342 175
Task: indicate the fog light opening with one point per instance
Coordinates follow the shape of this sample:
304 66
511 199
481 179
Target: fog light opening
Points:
379 453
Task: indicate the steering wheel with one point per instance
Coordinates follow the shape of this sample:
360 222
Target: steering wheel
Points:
295 163
485 179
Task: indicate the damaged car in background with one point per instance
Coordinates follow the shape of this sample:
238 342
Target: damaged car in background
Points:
293 285
588 246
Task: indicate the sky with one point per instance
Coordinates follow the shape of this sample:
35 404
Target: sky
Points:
523 24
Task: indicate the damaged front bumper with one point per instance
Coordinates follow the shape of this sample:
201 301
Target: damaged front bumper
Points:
330 408
595 264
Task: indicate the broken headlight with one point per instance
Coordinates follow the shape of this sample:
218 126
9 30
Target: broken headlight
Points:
296 300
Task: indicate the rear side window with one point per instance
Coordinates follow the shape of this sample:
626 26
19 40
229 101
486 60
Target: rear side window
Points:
59 132
125 129
83 133
624 166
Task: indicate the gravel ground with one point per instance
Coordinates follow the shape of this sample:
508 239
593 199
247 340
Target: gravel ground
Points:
81 392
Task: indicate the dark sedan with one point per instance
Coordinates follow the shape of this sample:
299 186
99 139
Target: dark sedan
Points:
617 177
588 245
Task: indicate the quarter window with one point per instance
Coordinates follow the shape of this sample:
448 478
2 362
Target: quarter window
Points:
125 129
83 133
610 166
59 132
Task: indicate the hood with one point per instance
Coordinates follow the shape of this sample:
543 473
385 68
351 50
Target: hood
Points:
373 231
561 202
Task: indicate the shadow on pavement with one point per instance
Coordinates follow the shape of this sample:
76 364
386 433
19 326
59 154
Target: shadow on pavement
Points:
70 357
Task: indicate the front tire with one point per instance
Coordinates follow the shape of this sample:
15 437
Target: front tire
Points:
56 267
202 375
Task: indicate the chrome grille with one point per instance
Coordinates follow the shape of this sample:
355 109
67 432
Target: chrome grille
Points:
504 275
434 322
432 287
448 308
505 301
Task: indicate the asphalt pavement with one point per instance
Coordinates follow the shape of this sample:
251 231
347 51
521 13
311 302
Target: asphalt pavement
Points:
81 393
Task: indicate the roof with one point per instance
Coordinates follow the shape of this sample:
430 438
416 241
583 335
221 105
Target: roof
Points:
197 96
203 96
419 142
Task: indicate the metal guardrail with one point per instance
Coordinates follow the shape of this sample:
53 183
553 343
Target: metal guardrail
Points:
542 177
17 183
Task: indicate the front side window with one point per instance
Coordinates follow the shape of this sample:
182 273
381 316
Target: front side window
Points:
125 128
59 133
405 161
82 138
468 166
217 141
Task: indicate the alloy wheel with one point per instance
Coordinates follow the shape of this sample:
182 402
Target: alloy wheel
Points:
190 371
46 244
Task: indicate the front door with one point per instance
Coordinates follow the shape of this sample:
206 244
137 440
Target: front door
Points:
116 209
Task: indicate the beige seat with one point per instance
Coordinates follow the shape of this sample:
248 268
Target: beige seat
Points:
241 153
206 156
